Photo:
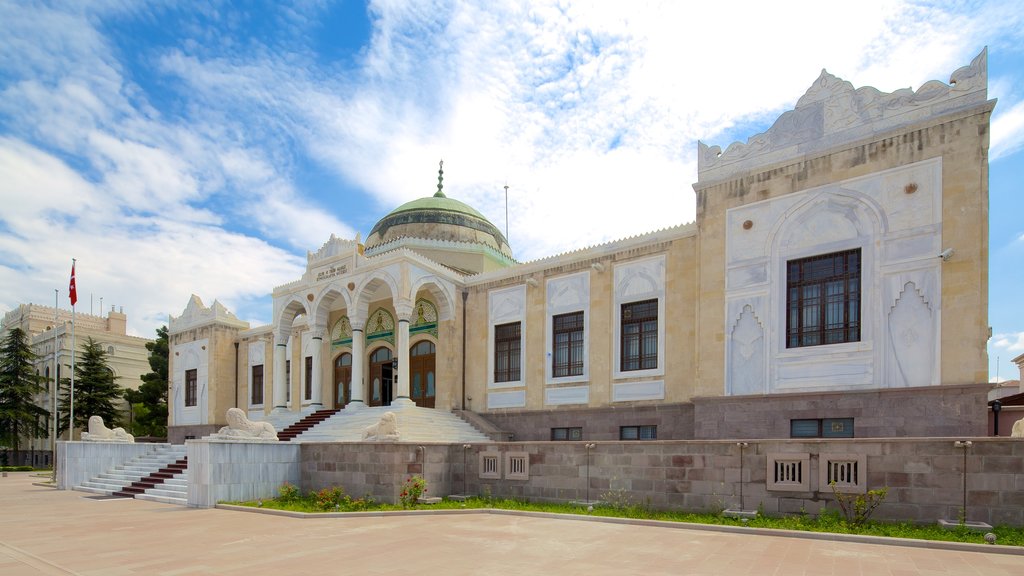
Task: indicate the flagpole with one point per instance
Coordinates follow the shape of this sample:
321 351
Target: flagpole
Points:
73 294
56 386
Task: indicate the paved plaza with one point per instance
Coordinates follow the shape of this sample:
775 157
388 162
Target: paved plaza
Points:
48 532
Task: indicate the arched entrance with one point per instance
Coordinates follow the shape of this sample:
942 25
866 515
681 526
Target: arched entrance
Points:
381 377
342 380
421 373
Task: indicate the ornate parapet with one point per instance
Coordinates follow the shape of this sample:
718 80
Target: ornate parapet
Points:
833 112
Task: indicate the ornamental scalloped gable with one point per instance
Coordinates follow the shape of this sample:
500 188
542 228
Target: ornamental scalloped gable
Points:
833 112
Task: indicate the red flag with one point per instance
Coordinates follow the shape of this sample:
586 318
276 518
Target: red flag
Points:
71 287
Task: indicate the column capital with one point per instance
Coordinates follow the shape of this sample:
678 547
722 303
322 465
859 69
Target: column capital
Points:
403 309
317 332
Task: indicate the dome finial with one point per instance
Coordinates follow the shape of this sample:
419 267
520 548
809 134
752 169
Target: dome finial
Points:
440 180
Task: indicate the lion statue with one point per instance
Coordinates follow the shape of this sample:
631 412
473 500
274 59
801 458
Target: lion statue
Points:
1018 429
385 429
98 432
241 428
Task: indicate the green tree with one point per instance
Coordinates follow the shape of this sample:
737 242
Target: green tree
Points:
96 390
149 402
20 416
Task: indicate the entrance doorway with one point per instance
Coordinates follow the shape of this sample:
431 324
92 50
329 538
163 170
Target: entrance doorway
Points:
421 373
381 377
342 380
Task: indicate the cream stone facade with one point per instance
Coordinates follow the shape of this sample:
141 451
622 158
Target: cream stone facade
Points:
836 276
49 329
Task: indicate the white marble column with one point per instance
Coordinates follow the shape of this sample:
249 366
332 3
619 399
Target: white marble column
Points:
316 401
280 376
404 311
358 360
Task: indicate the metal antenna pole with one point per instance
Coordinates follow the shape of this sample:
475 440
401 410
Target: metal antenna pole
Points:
506 213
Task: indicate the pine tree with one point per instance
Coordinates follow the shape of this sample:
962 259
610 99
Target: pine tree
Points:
20 416
150 400
96 390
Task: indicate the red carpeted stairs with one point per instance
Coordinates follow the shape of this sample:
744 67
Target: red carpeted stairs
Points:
306 423
154 479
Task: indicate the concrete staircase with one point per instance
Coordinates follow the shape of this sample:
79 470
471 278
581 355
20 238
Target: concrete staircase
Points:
415 424
160 475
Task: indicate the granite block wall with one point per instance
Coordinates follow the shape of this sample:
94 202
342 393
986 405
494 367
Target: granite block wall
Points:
924 477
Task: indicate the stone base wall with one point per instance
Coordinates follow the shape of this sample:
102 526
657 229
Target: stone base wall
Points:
377 469
178 434
928 412
923 476
239 471
79 462
674 421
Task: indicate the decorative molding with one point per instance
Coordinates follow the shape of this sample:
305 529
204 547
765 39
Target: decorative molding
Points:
746 355
631 391
567 395
513 399
911 334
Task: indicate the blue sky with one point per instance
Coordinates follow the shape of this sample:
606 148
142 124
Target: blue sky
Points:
177 148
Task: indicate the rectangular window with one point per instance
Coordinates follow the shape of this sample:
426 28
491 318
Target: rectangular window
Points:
574 433
823 299
309 377
257 385
567 337
821 428
647 432
191 380
639 336
287 381
507 347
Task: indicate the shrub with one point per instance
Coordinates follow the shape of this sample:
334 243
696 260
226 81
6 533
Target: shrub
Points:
857 508
412 489
288 493
330 498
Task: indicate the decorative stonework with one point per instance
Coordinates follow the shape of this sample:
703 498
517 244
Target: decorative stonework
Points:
1018 429
98 432
196 314
746 355
341 333
424 318
380 326
789 472
911 331
241 429
833 112
334 247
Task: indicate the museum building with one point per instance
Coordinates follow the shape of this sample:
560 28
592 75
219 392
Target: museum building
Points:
834 284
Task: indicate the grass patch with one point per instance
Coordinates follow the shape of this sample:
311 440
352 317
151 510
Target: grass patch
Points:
829 521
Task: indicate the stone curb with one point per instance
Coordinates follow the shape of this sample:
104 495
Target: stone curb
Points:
828 536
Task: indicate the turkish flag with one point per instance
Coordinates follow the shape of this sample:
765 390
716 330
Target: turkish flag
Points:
71 287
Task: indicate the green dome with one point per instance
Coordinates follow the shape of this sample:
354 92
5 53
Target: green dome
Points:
438 218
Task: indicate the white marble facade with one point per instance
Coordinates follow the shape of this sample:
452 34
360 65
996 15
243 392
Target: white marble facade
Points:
894 218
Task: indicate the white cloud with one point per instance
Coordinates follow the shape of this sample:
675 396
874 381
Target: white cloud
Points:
1011 342
1007 132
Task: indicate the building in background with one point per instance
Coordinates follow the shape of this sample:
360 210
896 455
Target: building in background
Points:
834 284
49 329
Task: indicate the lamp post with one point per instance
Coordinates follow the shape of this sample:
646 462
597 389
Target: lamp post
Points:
997 406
